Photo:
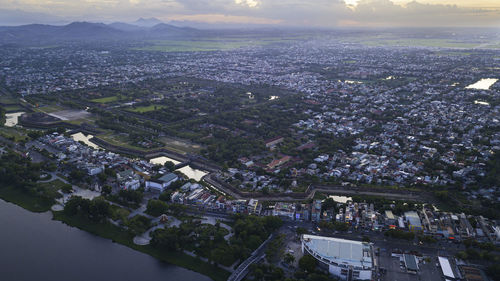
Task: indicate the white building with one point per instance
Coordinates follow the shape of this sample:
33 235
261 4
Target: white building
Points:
346 259
132 184
161 183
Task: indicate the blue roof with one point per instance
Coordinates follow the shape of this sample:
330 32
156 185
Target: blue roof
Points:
168 177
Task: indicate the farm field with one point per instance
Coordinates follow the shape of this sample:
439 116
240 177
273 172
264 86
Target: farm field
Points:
106 99
144 109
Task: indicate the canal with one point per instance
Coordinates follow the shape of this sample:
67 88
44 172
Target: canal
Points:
34 247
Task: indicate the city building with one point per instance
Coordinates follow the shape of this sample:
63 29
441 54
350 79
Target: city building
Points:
414 222
254 207
161 183
345 259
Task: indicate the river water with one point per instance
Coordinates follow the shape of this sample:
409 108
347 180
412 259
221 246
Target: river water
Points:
187 170
11 119
34 247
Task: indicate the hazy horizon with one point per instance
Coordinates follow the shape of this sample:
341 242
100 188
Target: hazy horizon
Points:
288 13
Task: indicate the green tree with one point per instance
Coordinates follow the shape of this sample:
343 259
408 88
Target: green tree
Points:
170 166
138 224
308 263
156 208
288 258
106 190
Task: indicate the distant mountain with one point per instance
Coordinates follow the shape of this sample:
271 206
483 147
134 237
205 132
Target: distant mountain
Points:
43 34
126 26
150 22
169 29
87 30
218 25
38 33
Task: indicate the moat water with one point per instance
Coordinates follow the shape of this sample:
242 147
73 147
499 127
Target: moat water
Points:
34 247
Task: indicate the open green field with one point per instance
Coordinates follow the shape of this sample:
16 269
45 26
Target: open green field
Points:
118 235
144 109
180 146
453 53
8 100
118 140
26 200
50 108
106 99
90 119
439 43
52 187
12 133
213 44
387 40
13 107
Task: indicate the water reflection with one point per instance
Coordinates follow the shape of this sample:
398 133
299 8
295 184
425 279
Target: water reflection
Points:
11 119
85 139
192 173
483 84
340 199
481 102
187 170
35 247
162 160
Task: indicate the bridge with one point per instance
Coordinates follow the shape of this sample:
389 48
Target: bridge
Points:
257 255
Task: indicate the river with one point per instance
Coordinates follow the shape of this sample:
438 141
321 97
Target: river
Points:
34 247
11 119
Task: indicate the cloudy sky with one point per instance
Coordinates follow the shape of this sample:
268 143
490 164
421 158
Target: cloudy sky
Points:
318 13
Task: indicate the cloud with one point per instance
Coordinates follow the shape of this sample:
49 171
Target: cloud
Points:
386 13
249 3
327 13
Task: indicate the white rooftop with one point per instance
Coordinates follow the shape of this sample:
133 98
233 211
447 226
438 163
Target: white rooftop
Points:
340 250
446 267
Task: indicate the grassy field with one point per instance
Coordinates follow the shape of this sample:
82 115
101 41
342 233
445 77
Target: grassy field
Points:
213 44
411 42
10 133
118 235
144 109
26 200
118 141
50 108
12 108
195 46
8 100
453 53
106 99
52 187
180 146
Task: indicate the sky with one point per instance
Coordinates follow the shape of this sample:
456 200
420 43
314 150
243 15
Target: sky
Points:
299 13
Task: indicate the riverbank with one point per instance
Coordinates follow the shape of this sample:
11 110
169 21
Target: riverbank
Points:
25 200
118 235
112 232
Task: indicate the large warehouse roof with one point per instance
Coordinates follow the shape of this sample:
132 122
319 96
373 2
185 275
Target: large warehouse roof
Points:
340 250
446 267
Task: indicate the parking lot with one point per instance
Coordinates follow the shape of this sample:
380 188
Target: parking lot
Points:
395 270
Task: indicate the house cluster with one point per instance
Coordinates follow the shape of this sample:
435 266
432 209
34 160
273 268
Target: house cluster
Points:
445 225
434 138
130 173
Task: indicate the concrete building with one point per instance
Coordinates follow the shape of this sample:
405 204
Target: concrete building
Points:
272 143
390 219
161 183
345 259
283 209
254 207
316 211
414 222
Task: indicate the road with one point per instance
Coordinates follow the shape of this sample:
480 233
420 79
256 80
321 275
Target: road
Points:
390 194
242 270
